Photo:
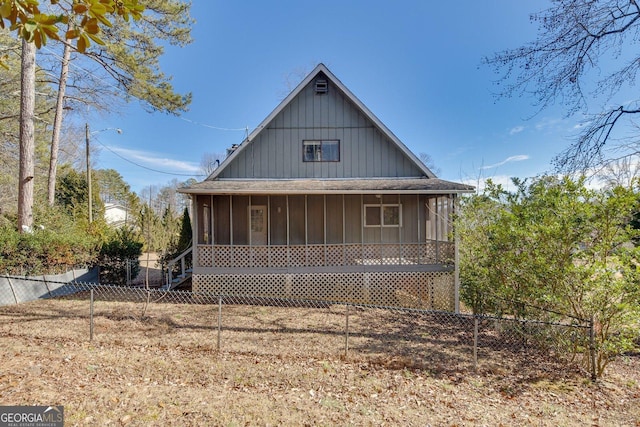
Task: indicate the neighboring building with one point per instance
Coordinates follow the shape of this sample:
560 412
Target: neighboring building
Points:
115 215
323 202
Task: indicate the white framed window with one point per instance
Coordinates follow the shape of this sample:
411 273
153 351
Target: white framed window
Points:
324 150
386 215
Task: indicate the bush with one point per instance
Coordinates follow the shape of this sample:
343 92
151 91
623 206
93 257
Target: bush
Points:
122 247
558 245
178 246
43 252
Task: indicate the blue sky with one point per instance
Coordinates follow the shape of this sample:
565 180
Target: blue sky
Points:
415 64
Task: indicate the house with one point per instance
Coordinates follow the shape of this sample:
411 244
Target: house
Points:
323 202
115 215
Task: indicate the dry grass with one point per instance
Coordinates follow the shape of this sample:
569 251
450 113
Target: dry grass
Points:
286 366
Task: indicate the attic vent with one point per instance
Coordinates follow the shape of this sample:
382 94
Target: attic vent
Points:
322 86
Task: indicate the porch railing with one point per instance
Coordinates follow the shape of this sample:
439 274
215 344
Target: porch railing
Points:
183 271
283 256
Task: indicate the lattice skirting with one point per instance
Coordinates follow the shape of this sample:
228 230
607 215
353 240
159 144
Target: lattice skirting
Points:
425 290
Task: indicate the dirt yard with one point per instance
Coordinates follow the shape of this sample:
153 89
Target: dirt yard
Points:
275 368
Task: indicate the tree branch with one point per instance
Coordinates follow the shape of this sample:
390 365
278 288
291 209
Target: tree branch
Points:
586 151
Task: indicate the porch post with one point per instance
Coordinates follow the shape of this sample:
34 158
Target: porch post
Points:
306 233
362 219
437 220
231 228
400 229
249 232
194 230
212 220
344 234
456 273
324 226
288 234
418 219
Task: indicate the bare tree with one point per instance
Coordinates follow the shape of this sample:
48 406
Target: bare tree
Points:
27 136
210 162
57 124
569 63
623 172
428 162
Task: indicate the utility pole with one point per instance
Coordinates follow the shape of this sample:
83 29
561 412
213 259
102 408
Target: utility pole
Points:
89 203
88 150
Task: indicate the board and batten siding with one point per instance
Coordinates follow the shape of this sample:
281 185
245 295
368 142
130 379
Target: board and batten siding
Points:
277 151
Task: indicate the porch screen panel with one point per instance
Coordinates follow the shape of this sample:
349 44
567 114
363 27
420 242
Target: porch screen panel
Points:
431 227
296 220
421 211
446 209
438 214
204 222
221 220
315 220
353 219
409 230
334 219
278 220
240 220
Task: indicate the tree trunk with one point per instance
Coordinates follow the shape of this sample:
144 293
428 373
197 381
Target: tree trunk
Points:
27 137
57 124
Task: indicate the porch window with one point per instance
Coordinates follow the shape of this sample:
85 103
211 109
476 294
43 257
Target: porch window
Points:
326 150
386 215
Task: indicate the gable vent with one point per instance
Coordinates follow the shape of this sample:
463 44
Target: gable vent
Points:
322 86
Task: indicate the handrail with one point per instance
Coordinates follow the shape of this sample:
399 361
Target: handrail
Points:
173 262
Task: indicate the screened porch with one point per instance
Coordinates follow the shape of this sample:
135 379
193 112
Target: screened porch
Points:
325 232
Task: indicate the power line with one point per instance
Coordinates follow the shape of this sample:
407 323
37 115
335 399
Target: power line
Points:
244 129
148 168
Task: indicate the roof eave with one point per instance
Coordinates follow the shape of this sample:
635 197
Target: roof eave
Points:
204 191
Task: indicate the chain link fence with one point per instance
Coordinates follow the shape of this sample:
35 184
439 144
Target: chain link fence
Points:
438 341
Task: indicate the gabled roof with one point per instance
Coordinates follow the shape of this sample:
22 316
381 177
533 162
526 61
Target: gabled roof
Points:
321 68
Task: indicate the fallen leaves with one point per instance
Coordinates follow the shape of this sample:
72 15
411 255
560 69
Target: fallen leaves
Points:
141 372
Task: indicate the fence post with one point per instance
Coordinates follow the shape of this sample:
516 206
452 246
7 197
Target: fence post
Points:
46 285
91 315
219 320
346 331
128 268
592 349
475 342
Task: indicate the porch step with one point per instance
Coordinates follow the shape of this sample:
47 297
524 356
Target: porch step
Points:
174 282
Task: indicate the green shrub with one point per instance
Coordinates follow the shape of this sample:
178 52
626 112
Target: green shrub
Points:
122 247
177 246
44 251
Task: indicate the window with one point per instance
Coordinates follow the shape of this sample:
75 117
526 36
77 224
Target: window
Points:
321 150
383 215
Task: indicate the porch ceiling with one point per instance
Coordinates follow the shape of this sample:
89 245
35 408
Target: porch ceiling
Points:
328 186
